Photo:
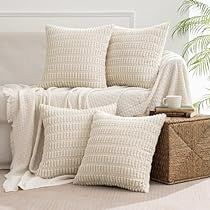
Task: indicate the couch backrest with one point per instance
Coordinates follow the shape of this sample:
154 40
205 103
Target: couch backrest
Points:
22 39
21 57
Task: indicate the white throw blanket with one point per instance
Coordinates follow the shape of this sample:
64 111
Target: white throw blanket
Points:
27 130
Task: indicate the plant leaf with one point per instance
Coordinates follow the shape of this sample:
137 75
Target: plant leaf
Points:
203 103
196 45
194 25
200 63
194 4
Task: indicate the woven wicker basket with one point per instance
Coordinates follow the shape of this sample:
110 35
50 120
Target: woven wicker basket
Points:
183 150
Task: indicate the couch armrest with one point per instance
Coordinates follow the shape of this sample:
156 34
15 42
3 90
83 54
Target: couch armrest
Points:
172 79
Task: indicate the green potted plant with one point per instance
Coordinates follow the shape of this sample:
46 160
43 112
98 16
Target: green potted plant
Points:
197 50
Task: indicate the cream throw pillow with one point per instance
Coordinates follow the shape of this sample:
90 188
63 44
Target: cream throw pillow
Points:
119 151
76 57
134 55
66 132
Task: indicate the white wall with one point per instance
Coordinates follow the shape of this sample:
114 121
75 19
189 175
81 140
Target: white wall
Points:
148 12
199 85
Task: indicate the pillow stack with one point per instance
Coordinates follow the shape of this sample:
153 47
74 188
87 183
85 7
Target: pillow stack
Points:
101 56
93 145
113 151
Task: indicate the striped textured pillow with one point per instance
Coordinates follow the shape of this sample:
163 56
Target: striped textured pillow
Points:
119 151
134 55
76 57
66 132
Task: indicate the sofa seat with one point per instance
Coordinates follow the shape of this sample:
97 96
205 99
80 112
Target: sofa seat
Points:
5 127
3 104
129 99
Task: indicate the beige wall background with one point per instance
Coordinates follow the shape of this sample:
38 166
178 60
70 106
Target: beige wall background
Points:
148 12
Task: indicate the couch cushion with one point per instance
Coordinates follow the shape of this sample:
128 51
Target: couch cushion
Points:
129 100
3 102
5 152
76 57
119 151
134 56
66 133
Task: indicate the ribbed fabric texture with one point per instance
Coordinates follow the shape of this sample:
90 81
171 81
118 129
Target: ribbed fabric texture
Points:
66 133
76 57
134 55
119 151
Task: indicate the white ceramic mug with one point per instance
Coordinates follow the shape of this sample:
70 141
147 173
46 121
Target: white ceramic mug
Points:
172 101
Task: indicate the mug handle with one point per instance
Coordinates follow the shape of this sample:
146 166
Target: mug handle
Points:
164 101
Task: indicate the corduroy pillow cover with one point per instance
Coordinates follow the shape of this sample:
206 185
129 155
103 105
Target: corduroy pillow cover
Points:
134 55
119 151
66 132
76 57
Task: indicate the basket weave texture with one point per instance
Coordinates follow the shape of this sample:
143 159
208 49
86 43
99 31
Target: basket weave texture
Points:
183 150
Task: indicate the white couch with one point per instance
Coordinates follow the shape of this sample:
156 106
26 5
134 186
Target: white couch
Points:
22 60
